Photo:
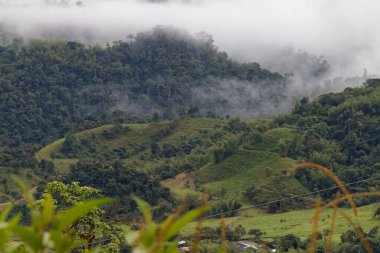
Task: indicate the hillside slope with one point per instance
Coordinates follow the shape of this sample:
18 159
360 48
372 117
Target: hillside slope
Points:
48 88
191 156
245 161
187 160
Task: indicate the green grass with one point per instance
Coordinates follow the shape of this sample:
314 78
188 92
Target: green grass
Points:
256 163
271 139
137 135
240 171
191 127
63 164
251 163
45 153
295 222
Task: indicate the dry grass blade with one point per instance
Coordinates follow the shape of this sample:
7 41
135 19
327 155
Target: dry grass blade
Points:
197 234
164 228
358 232
355 195
314 230
223 235
334 178
332 227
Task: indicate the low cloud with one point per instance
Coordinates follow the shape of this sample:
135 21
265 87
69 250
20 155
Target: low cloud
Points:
345 32
242 99
324 45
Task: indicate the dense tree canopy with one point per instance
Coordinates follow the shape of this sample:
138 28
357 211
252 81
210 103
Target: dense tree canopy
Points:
117 181
48 88
340 131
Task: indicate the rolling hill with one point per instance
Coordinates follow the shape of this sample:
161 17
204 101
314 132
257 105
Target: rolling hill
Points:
237 164
187 154
252 161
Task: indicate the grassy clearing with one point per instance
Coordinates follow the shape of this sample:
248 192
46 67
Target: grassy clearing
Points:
251 162
45 153
242 170
271 139
63 164
295 222
136 139
181 186
191 128
256 163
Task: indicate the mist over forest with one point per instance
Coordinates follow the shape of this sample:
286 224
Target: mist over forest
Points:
253 31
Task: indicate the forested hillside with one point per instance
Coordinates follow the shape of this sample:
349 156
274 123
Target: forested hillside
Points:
240 167
340 131
246 162
48 88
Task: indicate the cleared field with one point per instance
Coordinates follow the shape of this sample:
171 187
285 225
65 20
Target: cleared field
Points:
63 164
136 140
45 153
256 163
245 168
295 222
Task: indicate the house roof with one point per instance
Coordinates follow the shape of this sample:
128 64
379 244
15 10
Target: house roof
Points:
243 246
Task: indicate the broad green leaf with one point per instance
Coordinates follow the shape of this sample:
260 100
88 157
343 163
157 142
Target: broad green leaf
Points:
69 216
28 196
60 241
182 222
28 236
47 211
149 235
5 212
6 229
15 220
13 247
36 218
144 208
173 247
130 235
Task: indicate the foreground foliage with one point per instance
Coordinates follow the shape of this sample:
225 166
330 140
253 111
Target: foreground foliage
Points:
64 220
49 228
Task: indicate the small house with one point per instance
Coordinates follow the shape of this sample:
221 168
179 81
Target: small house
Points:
247 247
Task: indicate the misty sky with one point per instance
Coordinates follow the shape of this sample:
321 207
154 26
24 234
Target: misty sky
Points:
344 31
